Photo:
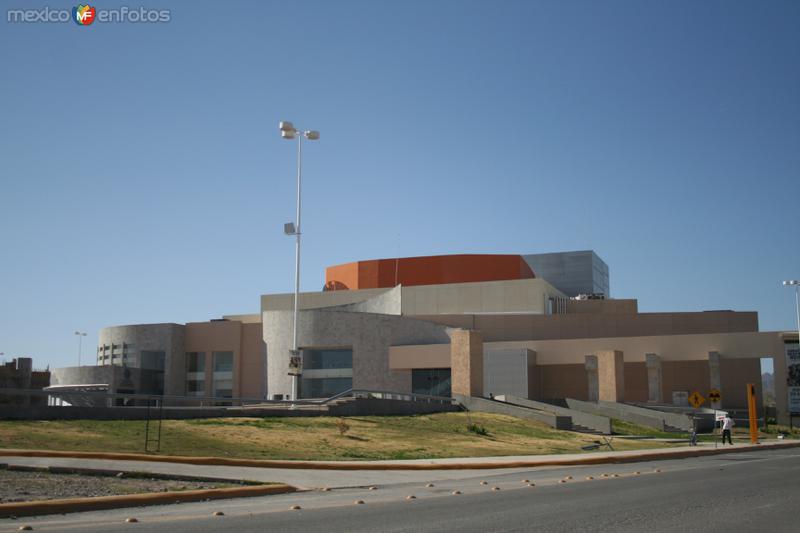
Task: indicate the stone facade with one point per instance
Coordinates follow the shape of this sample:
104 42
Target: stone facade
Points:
466 362
610 376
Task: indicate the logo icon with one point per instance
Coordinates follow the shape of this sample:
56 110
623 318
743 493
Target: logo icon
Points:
83 14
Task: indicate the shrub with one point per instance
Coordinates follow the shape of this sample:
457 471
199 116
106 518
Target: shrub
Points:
342 426
478 430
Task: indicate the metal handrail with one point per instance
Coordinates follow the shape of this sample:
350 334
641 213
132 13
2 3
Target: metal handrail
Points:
241 401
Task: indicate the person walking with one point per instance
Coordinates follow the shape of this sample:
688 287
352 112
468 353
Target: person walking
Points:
727 425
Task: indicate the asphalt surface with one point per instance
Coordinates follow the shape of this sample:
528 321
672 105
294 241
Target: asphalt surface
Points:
750 491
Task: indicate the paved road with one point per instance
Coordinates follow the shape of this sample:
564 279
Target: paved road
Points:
319 478
752 491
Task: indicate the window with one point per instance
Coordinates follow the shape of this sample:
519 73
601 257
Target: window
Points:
223 361
324 387
223 374
431 381
326 372
327 359
152 370
195 373
152 360
195 362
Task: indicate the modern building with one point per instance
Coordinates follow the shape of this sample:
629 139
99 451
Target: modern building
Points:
472 325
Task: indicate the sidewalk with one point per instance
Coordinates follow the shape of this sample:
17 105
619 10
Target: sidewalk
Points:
315 474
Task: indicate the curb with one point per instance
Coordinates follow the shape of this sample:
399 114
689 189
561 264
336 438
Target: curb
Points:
333 465
73 505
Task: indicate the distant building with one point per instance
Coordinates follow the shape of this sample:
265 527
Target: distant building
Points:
19 374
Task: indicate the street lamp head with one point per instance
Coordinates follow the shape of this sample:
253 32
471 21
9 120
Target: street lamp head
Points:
287 130
312 135
792 282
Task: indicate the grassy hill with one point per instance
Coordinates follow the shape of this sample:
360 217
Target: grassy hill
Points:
320 438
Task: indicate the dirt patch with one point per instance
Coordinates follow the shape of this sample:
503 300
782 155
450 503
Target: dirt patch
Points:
23 486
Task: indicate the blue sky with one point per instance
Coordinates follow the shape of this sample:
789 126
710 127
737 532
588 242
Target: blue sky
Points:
142 178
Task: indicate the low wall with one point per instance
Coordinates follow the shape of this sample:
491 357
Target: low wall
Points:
490 406
358 407
634 415
590 421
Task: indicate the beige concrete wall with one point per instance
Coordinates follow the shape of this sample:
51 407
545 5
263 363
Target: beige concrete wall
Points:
254 318
736 374
684 376
209 337
669 347
636 382
247 345
520 327
526 296
416 356
560 381
597 307
316 300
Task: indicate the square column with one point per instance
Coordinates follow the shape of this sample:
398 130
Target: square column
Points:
610 376
466 362
591 376
654 388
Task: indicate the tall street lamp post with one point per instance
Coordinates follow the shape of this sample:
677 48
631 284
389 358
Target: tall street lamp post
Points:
289 132
80 335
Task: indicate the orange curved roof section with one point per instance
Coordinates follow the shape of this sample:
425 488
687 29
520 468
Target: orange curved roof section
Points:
428 270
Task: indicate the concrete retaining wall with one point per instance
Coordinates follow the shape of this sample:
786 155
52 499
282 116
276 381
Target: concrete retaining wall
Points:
590 421
359 407
490 406
632 414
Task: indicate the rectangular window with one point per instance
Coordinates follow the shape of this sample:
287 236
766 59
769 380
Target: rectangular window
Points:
223 361
431 381
195 362
152 360
152 369
327 359
324 387
223 374
195 373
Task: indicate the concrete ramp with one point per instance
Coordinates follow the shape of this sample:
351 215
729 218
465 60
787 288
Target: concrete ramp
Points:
672 422
581 421
472 403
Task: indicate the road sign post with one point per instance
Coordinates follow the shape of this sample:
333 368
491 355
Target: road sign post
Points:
696 399
714 397
751 409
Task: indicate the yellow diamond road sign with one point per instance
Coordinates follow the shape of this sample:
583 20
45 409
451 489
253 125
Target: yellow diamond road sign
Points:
696 399
714 395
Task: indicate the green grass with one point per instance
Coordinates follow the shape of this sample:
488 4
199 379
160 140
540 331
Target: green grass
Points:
313 438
